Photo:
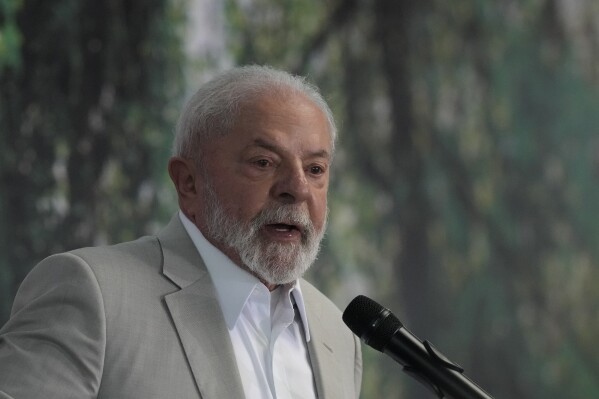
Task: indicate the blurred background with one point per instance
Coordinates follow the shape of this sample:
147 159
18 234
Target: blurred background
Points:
465 189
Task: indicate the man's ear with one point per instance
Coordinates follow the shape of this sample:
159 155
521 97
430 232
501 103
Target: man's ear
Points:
184 174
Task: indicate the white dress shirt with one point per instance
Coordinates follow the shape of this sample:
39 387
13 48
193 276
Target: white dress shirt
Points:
269 330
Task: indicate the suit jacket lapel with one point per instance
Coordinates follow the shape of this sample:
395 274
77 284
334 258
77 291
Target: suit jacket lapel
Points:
321 348
197 316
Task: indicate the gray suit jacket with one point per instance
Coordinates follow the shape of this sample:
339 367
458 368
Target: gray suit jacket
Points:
142 320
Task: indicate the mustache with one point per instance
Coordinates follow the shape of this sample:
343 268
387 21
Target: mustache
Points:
287 214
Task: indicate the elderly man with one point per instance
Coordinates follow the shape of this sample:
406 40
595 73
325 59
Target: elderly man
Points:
214 306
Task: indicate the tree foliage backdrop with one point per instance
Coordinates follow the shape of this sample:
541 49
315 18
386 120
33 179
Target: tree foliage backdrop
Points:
465 185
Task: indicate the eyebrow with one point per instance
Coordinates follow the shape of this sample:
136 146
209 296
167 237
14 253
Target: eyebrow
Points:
274 148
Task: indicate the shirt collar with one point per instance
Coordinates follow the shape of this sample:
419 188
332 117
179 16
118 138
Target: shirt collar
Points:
233 284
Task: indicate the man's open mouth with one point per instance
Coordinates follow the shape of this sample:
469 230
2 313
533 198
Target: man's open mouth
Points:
283 228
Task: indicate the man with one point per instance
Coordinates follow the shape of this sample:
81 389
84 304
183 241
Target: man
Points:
213 306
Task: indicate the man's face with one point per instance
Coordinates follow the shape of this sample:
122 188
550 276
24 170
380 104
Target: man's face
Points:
264 188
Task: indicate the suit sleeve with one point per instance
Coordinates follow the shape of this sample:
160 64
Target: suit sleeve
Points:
53 345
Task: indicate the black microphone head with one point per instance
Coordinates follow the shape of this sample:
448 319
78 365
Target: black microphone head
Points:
373 323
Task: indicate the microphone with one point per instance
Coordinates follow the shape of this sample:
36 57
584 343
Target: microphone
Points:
380 329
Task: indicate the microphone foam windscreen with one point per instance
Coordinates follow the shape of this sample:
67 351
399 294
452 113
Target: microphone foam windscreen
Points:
370 321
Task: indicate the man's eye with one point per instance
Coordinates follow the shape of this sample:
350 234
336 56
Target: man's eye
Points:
263 163
316 170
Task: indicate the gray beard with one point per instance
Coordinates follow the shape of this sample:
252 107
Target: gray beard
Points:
272 262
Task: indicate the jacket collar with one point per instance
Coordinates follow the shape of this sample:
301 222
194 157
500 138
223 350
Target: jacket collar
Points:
322 346
197 316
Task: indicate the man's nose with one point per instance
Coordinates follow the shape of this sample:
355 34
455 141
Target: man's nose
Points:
291 186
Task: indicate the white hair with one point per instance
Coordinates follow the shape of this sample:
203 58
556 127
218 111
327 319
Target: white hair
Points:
215 107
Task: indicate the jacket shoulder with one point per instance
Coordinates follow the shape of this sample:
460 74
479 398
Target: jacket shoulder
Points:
143 251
